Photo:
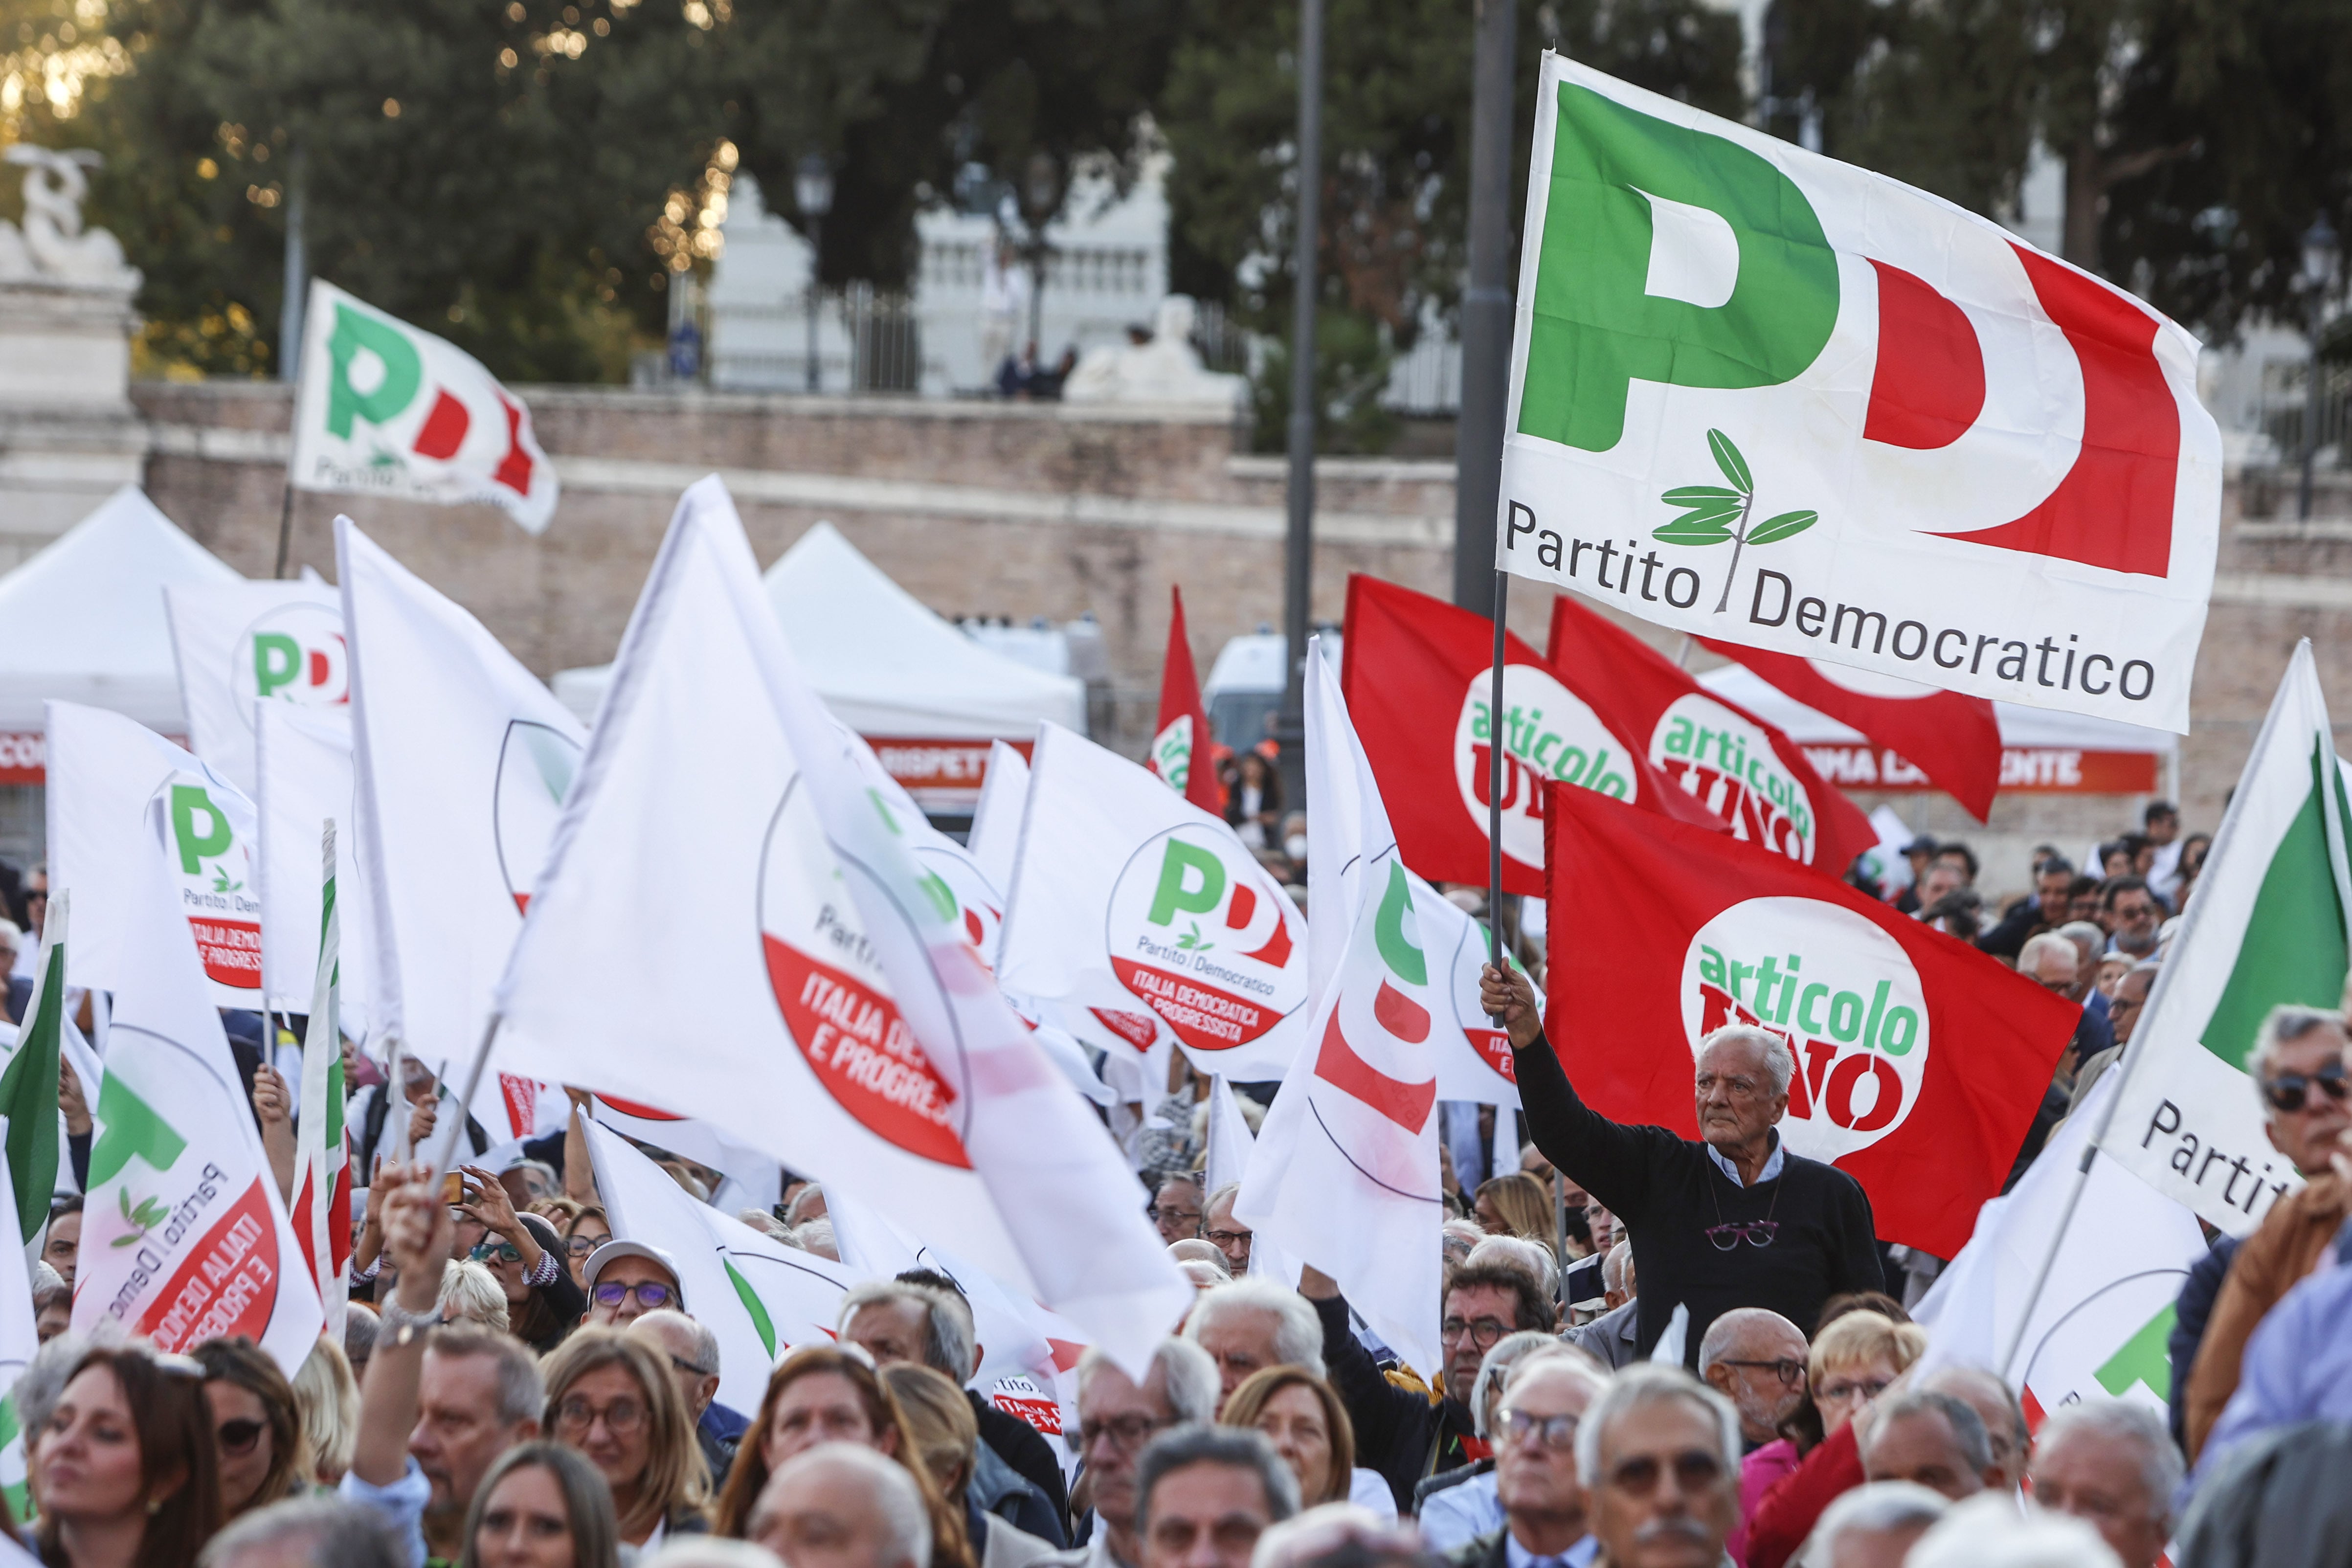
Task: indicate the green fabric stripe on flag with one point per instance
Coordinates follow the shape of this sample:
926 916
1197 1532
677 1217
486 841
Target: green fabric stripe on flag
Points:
28 1098
2294 945
761 1322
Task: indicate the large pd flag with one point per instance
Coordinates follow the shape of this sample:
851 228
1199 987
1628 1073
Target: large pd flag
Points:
1417 674
1761 395
1744 770
1919 1060
387 410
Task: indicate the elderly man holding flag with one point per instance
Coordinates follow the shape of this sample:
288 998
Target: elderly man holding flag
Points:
1735 1220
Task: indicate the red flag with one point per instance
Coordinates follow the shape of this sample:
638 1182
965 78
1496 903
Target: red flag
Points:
1417 674
1920 1061
1746 771
1953 738
1181 749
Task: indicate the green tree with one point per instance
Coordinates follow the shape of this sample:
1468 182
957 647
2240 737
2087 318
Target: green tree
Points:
1397 152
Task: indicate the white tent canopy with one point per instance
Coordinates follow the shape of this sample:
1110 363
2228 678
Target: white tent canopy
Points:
2019 726
883 661
83 620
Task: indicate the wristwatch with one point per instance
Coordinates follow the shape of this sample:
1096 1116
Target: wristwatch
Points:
404 1326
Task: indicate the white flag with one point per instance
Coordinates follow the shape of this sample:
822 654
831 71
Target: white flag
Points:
2268 925
2101 1323
462 759
386 410
108 775
788 994
1482 1069
240 646
1229 1137
1127 897
303 760
996 820
183 1238
749 1177
1344 1176
760 1297
322 1207
18 1340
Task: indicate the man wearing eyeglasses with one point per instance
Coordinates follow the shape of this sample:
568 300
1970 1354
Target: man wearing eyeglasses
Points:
1755 1359
1546 1514
1659 1454
627 1280
1734 1219
1118 1418
2298 1067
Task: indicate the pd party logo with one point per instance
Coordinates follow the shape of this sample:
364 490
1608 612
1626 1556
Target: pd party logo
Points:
213 864
1547 734
828 979
536 763
1195 931
1374 1088
1841 992
296 654
1729 764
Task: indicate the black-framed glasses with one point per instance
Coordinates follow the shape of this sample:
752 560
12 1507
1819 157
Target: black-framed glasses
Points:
1181 1218
1790 1372
687 1367
1521 1426
1226 1240
239 1436
1758 1232
1694 1469
651 1294
1129 1432
2290 1091
1483 1331
1857 1388
582 1245
577 1415
503 1251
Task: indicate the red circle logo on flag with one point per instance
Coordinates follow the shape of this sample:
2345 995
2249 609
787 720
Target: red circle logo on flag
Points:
826 972
1196 930
1729 764
1842 994
294 653
1548 733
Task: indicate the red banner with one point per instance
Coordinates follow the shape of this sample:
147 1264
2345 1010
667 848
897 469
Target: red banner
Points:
2024 770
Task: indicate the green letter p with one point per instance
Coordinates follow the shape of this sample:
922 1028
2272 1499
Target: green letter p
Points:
1182 863
403 371
195 848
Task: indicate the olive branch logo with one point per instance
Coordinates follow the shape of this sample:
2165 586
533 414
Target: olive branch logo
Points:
150 1214
1712 513
1191 941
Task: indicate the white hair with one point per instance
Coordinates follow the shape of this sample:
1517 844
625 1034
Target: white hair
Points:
1464 1232
1297 1330
1556 1357
1188 1378
2044 941
471 1292
1876 1505
887 1484
1518 1252
2085 934
2138 1428
1647 1384
768 1224
1986 1533
2287 1022
1496 1370
697 1334
796 1213
1780 1061
1612 1268
1716 1343
816 1236
710 1551
950 1340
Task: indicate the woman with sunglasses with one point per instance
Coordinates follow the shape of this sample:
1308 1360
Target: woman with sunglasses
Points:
256 1424
541 1505
824 1393
523 1252
612 1397
124 1466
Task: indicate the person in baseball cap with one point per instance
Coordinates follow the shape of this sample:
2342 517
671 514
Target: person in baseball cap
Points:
627 1280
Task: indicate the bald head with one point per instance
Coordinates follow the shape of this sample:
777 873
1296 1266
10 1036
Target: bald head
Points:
842 1505
1755 1359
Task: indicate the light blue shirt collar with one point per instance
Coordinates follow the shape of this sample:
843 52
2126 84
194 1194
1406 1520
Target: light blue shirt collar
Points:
1579 1555
1771 1168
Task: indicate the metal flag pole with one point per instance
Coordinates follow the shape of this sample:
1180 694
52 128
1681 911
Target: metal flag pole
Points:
448 1145
1494 782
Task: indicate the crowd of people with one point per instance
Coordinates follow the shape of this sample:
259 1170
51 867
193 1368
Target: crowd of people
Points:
1655 1351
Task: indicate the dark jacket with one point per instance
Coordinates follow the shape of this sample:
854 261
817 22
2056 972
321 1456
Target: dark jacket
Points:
718 1433
1399 1432
1668 1192
1024 1449
2191 1313
1487 1551
2278 1500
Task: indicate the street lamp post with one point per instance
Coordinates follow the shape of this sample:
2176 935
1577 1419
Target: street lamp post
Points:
1041 191
1298 541
812 189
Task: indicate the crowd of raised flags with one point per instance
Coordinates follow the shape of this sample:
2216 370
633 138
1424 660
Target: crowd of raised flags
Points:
710 958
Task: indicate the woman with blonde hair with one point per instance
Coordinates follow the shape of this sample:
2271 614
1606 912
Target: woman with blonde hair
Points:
1306 1424
946 1436
1515 1204
831 1394
1854 1360
611 1396
327 1400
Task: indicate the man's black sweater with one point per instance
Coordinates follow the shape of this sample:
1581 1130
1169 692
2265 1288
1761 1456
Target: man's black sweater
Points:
1667 1192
